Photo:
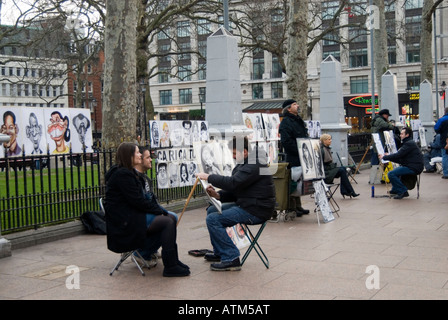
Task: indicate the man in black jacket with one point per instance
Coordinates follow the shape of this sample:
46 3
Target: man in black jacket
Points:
252 191
410 159
291 128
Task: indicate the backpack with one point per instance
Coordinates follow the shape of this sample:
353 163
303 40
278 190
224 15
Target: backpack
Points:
94 221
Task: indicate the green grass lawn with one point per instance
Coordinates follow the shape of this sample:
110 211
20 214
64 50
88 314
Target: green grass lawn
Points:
41 181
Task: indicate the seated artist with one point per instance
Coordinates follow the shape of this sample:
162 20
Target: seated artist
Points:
410 159
253 193
332 171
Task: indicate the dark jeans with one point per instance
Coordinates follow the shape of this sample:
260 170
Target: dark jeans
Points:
395 179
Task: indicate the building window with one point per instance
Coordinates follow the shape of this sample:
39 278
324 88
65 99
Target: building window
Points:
165 97
185 73
183 29
204 27
277 90
359 84
413 80
358 58
202 48
185 96
164 74
276 68
258 68
257 91
185 49
202 71
413 53
164 34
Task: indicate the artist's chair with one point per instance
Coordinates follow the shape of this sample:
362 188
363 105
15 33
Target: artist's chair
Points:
125 255
411 181
330 191
254 244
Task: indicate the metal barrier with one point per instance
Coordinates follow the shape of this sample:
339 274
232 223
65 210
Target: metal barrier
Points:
54 188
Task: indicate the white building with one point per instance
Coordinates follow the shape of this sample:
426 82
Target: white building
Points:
262 83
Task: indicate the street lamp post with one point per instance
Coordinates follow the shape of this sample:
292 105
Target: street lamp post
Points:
143 89
310 95
201 100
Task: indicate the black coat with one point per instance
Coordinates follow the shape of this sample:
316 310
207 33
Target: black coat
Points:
126 208
409 155
251 191
291 128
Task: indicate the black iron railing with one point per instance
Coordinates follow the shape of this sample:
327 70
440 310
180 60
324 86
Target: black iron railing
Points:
54 188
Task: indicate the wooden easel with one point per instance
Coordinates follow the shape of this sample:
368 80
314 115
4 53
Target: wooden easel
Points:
188 200
362 160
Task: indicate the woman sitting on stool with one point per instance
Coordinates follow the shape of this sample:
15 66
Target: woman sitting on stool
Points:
332 171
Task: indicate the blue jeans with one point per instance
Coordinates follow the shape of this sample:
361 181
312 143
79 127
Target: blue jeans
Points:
217 223
445 162
152 243
394 177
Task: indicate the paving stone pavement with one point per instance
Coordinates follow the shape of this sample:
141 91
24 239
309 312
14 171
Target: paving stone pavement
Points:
401 246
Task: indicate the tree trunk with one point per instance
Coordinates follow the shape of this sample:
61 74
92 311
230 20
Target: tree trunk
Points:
426 42
296 81
380 44
120 91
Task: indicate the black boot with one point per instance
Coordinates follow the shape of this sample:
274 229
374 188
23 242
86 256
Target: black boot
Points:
171 267
179 263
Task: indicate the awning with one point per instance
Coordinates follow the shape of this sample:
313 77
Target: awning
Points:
265 106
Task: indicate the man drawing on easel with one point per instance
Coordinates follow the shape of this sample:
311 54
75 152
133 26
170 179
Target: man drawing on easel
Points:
253 195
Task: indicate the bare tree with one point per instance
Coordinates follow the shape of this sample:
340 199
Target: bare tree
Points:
120 91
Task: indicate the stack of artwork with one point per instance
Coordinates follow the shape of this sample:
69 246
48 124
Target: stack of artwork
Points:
265 132
313 170
183 148
36 130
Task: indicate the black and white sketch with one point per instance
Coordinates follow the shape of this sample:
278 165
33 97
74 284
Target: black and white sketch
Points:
314 129
184 179
176 133
162 175
173 172
318 161
209 157
155 136
321 200
187 133
82 132
378 145
307 159
204 133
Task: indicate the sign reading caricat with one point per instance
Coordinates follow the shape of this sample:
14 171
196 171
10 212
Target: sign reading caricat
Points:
36 130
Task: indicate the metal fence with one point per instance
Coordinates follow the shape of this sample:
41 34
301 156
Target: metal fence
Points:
54 188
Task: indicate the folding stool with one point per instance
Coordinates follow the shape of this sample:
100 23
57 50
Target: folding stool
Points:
331 190
254 244
126 255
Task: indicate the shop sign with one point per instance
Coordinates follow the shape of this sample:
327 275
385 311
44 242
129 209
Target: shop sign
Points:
363 101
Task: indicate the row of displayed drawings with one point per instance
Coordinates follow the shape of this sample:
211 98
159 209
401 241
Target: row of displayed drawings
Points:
184 133
36 130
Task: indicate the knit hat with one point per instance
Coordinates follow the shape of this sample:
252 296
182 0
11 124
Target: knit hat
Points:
288 103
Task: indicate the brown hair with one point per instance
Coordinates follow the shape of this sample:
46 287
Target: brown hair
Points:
125 153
